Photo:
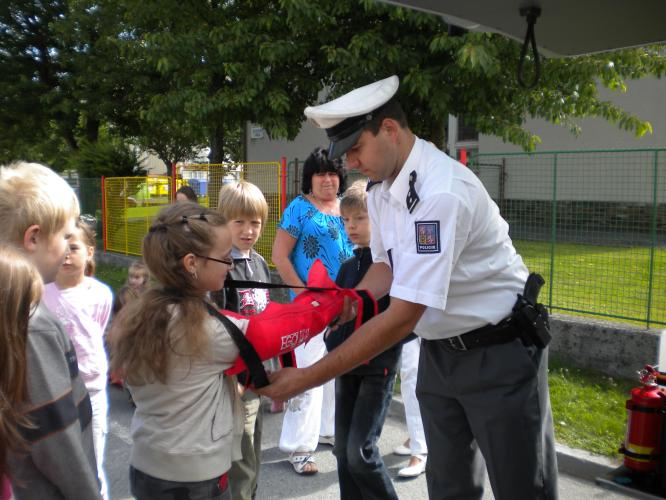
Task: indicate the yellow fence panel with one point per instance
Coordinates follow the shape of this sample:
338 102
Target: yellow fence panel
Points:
130 204
207 179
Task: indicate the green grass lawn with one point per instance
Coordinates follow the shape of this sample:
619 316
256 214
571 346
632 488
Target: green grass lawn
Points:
609 281
588 408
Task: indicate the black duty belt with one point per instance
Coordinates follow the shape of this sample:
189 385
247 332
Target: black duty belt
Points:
501 333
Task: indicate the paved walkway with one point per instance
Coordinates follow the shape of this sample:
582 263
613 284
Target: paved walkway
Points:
278 480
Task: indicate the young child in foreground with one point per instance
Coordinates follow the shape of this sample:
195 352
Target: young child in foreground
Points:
362 396
245 208
83 306
38 211
172 353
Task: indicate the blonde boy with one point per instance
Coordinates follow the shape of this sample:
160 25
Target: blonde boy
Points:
38 211
245 208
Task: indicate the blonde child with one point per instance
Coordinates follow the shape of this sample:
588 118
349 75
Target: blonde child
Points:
20 293
172 353
38 211
83 306
363 395
245 208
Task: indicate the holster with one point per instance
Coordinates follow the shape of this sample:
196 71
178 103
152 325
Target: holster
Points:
530 316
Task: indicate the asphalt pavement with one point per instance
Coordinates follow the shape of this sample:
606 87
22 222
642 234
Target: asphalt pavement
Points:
279 481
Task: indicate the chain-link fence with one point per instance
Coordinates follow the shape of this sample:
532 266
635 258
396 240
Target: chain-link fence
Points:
131 203
593 223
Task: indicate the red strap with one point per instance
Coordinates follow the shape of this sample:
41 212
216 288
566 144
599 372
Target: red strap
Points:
223 483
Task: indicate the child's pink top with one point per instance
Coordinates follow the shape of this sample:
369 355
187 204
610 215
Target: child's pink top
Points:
5 488
84 311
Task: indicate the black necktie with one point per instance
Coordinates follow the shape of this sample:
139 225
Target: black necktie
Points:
412 195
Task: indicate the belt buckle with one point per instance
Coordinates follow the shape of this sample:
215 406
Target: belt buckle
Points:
456 343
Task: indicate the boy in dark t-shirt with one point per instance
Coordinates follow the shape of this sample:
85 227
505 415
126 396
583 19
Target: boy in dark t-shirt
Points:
362 396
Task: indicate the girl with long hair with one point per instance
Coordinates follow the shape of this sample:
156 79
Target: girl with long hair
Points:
20 291
172 353
83 306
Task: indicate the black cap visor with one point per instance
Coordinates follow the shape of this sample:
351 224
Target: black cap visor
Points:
339 147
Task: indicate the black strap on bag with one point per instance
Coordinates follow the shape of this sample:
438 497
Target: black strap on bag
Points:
247 352
230 283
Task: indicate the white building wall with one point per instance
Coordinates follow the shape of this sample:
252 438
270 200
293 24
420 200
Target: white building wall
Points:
619 177
265 149
645 98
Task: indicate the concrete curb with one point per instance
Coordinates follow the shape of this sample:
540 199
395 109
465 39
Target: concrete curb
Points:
571 461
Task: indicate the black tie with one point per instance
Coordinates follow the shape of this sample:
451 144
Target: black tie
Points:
412 196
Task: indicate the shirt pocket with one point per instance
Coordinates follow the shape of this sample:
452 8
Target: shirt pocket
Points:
223 417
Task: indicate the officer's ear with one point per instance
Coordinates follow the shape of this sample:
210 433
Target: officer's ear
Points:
391 128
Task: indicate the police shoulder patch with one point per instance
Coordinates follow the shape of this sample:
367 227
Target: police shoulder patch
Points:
427 236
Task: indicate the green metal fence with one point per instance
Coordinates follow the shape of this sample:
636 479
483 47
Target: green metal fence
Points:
593 223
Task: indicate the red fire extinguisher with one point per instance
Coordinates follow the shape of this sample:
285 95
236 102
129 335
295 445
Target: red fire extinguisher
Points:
645 419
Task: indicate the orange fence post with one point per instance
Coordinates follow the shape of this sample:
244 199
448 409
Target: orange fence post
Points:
283 183
463 156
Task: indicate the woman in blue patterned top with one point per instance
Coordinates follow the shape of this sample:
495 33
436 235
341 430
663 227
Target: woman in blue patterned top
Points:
311 228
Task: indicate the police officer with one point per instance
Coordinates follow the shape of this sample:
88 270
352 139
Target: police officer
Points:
443 253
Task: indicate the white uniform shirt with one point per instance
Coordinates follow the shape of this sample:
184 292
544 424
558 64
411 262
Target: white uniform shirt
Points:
453 253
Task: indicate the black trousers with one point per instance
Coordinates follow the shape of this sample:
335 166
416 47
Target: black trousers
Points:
487 406
361 404
145 487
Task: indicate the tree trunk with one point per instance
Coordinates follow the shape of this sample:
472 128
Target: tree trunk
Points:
216 157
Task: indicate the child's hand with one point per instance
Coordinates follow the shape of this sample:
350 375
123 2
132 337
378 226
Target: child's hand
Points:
348 313
241 388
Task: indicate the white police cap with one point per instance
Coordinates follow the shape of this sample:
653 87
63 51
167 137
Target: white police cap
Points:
345 118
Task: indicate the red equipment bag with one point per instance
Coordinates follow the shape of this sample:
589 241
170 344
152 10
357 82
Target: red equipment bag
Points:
280 328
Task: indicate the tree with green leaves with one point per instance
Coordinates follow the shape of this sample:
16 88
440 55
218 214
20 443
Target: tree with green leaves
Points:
173 77
472 76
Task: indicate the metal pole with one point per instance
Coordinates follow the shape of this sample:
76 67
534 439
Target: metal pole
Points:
653 235
553 233
283 183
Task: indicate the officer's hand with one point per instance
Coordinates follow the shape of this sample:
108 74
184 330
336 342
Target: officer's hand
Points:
285 383
348 313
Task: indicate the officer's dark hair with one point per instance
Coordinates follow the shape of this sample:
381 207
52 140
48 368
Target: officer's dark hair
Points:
317 163
392 109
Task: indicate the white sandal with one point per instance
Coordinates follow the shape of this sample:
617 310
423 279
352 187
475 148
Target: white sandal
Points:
300 460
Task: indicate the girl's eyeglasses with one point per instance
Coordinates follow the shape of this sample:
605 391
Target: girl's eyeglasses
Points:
228 262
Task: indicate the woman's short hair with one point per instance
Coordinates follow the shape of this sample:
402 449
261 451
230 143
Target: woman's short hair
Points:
317 163
242 199
31 193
